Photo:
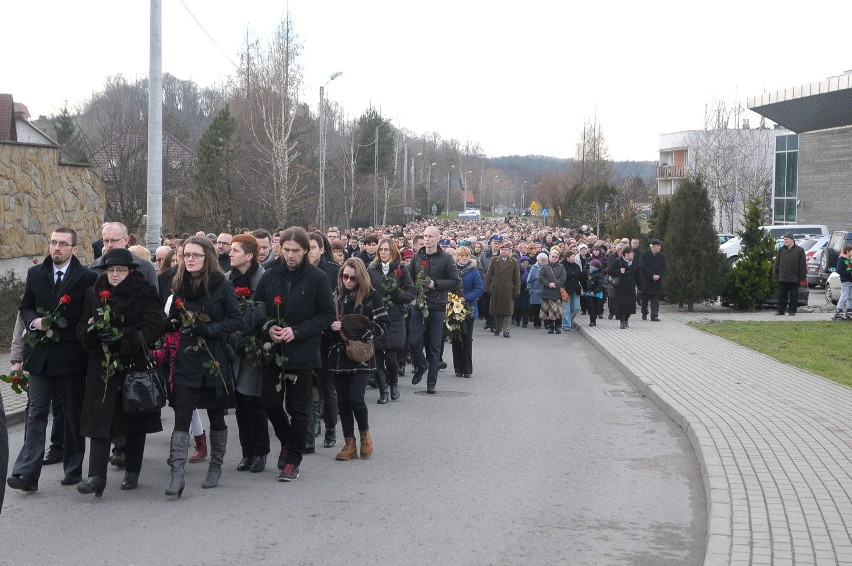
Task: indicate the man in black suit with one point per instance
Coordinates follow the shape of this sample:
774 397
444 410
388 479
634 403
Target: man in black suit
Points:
57 285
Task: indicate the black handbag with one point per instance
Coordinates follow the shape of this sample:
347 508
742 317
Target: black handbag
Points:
144 390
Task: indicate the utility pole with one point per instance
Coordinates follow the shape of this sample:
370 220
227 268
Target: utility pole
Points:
154 223
376 179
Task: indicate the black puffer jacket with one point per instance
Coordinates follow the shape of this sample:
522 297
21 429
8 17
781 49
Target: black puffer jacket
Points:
441 268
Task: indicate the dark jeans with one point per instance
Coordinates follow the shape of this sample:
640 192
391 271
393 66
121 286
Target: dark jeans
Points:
655 305
251 425
292 431
788 297
4 452
99 450
41 391
463 351
428 333
350 401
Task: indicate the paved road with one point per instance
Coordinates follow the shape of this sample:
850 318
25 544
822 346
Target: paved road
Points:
532 463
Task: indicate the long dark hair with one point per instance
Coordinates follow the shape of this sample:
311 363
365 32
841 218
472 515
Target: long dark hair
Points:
211 266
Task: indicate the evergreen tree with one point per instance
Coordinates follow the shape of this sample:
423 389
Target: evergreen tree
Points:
695 266
213 184
659 218
367 124
750 280
63 125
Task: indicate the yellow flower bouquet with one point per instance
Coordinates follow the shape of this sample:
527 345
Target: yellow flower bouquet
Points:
458 313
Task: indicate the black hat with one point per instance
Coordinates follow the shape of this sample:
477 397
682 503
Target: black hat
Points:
119 256
656 242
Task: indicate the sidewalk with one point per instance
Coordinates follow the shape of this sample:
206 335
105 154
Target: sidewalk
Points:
773 441
15 405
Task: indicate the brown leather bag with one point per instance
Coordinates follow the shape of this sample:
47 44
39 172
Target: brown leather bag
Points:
356 350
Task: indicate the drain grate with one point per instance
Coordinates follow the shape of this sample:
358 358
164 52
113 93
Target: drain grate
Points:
622 393
440 393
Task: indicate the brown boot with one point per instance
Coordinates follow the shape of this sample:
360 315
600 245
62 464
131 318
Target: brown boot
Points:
200 448
366 444
349 450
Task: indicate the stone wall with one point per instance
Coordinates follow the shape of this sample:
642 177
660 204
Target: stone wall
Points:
39 194
825 178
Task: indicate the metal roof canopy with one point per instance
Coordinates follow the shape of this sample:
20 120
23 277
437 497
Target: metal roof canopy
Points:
815 106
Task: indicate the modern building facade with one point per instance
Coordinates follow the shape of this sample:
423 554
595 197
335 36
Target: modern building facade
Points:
813 165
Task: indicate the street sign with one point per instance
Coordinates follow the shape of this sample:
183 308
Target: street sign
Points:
545 212
434 210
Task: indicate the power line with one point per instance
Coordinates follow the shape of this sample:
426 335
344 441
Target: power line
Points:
210 37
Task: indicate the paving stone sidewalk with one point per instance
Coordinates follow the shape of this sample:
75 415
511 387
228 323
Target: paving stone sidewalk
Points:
774 441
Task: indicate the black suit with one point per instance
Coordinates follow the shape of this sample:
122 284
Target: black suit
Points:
51 363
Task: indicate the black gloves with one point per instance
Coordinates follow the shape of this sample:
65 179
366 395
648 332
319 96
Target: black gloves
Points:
201 329
107 337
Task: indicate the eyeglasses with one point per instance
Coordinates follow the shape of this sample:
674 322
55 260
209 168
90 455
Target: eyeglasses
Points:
117 269
223 243
111 241
192 255
348 277
59 244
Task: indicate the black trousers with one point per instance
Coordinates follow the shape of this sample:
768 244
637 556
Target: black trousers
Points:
325 384
788 297
99 450
350 401
387 369
291 427
463 351
535 312
251 425
655 305
595 306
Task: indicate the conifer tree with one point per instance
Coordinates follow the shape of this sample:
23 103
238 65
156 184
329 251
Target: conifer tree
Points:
750 280
659 218
695 266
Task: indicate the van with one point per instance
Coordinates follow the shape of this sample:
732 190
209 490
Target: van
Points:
731 248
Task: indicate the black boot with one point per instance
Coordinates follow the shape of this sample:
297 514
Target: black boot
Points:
95 484
177 455
623 325
131 481
382 378
549 325
218 443
317 417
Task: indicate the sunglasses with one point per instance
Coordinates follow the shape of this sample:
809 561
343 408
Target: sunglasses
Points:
349 277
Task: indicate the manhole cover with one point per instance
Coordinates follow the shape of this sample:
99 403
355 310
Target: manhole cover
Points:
622 393
440 393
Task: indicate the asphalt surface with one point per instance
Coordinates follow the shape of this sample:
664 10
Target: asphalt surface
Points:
548 455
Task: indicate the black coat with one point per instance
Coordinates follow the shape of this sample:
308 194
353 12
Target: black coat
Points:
573 277
625 291
67 356
652 264
374 309
394 338
306 307
135 306
224 311
441 268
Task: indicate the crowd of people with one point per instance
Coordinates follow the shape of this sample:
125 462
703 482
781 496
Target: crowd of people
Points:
288 327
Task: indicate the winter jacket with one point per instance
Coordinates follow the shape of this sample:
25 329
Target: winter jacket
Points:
651 264
306 307
374 309
248 377
534 285
441 268
551 273
844 269
573 277
471 285
503 282
396 303
134 307
790 265
625 292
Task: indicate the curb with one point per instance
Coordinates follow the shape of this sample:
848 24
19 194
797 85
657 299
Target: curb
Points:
716 489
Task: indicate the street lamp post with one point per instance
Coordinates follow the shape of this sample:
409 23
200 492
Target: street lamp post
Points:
448 189
429 182
322 141
464 196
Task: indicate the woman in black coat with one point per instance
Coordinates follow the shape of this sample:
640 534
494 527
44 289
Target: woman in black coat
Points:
134 308
397 290
355 295
206 310
626 270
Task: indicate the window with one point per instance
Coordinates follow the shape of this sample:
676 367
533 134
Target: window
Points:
786 179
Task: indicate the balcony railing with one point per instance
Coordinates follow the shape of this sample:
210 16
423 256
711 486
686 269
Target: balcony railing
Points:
672 172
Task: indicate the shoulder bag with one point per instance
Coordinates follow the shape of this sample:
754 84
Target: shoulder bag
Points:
144 391
563 294
356 350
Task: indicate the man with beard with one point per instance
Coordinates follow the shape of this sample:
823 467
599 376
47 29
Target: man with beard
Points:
223 250
58 286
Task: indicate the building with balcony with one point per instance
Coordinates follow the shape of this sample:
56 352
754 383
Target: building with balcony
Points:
813 165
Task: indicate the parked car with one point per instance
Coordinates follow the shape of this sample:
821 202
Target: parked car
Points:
470 214
828 261
731 248
814 279
725 237
804 295
832 288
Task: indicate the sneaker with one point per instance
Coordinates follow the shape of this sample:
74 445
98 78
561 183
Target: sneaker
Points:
837 316
289 473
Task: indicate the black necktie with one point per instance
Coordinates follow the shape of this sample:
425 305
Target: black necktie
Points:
58 280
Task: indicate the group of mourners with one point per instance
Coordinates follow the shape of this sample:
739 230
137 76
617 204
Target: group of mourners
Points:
288 328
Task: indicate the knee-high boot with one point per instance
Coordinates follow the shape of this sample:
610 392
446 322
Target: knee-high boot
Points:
177 455
218 442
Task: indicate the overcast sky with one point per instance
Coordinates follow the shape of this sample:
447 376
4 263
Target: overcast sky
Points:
515 77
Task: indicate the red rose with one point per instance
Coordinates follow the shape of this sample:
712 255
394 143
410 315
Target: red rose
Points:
243 291
179 303
35 261
424 263
16 379
65 299
278 300
398 272
105 296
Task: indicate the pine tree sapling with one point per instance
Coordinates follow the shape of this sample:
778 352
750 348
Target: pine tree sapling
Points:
695 266
750 279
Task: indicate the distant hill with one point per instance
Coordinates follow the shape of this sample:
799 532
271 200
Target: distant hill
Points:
535 166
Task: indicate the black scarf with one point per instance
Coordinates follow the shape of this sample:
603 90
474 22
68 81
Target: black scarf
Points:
244 279
189 292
